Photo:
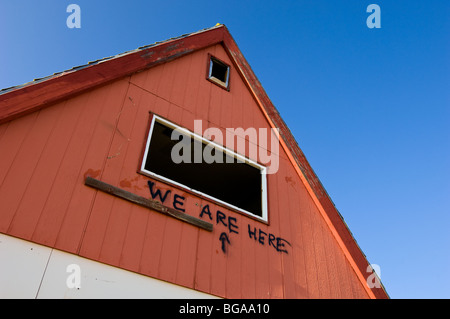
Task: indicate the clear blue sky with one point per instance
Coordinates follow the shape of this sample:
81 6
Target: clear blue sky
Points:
370 108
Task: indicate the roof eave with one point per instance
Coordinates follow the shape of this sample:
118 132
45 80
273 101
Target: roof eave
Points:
35 95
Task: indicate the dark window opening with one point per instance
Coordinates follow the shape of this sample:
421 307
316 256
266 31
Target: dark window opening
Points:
219 72
238 184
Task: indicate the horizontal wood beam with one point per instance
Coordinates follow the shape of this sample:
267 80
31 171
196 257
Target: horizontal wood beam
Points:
148 203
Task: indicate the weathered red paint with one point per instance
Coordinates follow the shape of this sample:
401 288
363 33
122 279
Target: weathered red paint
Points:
94 122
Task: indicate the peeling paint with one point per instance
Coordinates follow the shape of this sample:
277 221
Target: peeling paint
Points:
136 183
289 180
90 172
147 55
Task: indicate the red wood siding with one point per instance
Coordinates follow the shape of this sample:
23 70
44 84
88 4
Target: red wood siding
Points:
46 156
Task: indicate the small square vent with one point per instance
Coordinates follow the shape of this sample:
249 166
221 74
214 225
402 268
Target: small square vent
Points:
219 72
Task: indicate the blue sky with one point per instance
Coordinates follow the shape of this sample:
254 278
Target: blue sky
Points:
370 108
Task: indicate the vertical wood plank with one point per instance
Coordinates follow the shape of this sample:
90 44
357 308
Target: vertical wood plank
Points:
175 113
249 267
345 279
320 253
334 273
106 228
218 266
275 272
196 72
187 256
151 250
52 213
310 254
180 80
22 170
285 213
204 270
165 84
131 252
133 242
96 126
170 242
3 128
161 107
262 264
139 79
119 216
226 110
234 255
36 194
218 257
297 213
115 232
204 88
12 139
153 79
215 106
249 107
187 120
46 176
236 108
358 290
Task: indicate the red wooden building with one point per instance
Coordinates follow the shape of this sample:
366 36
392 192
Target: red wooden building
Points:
87 177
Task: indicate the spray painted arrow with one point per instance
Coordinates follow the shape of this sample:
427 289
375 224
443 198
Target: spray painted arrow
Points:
224 237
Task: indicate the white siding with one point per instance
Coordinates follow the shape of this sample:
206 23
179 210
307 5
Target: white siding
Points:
28 270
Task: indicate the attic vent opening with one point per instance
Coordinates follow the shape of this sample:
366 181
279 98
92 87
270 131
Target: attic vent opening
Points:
219 72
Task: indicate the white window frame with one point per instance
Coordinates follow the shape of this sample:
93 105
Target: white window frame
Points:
243 160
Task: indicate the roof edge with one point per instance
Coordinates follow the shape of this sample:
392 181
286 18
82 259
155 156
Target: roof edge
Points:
27 98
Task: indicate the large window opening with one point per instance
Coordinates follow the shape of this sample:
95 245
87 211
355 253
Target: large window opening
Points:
232 180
